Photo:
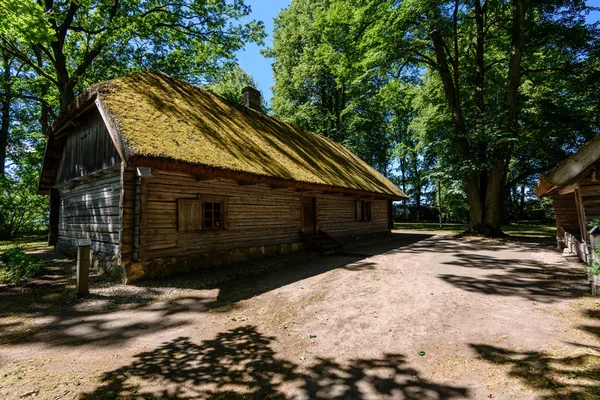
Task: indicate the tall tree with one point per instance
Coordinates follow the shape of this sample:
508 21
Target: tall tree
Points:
50 50
477 56
188 38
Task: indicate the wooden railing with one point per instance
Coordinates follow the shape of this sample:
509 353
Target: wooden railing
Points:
576 246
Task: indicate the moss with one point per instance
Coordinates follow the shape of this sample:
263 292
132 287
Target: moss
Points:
161 117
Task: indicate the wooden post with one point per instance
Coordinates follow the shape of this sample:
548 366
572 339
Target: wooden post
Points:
594 242
83 267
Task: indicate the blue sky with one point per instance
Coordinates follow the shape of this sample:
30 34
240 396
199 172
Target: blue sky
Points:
259 67
250 58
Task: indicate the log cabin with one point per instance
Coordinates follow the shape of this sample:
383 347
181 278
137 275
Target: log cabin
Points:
574 186
166 178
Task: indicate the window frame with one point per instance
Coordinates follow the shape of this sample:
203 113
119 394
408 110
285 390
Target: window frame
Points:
363 211
201 201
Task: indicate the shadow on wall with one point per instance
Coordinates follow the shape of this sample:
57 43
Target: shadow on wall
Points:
240 363
569 377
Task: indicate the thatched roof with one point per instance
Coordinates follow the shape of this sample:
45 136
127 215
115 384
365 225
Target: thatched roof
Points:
163 120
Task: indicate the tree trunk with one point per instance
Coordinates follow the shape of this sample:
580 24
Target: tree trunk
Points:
485 188
402 173
65 84
5 110
522 201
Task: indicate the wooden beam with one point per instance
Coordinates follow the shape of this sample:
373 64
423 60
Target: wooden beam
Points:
543 187
277 187
246 183
215 173
200 178
112 130
574 166
569 189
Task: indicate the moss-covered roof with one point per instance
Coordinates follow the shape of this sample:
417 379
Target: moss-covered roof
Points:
161 117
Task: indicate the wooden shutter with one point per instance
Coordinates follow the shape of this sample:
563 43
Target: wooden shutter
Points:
358 210
189 214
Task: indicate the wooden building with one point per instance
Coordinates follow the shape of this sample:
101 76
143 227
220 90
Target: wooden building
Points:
574 186
165 177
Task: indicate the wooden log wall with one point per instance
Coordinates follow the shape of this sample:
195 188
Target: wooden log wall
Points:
565 210
91 209
337 216
590 201
257 215
127 213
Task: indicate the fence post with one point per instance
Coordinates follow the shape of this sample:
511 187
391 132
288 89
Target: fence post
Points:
83 267
595 241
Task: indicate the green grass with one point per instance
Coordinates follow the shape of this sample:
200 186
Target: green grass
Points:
28 243
521 229
449 229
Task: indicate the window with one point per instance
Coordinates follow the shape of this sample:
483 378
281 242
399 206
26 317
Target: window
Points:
198 214
363 210
212 215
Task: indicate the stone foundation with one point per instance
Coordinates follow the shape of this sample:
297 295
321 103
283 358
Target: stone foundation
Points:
106 263
162 267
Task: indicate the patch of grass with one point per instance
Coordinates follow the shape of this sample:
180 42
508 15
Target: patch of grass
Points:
531 229
520 229
17 267
449 229
27 243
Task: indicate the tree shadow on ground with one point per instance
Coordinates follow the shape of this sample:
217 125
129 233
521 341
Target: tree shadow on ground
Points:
528 279
554 377
240 363
592 329
356 260
51 313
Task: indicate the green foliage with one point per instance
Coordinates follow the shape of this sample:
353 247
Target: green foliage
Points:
24 21
18 267
50 52
398 83
594 268
21 209
540 209
230 82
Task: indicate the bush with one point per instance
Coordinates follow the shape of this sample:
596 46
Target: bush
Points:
21 209
18 267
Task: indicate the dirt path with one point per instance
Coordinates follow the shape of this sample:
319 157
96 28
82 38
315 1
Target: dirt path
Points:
494 320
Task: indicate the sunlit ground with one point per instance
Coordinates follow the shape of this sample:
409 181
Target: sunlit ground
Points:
522 229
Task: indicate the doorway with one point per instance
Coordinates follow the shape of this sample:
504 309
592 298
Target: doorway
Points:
309 215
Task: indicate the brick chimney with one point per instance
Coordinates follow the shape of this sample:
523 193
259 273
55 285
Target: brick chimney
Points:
251 98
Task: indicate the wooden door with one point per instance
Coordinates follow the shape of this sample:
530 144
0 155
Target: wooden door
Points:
309 215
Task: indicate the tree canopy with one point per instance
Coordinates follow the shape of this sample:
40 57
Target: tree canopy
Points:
51 50
475 95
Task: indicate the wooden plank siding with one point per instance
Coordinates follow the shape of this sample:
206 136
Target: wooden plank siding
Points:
257 215
337 216
575 207
88 149
90 209
127 213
